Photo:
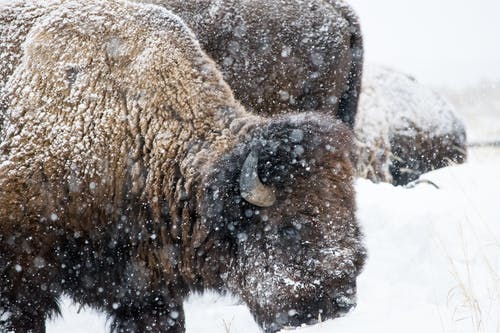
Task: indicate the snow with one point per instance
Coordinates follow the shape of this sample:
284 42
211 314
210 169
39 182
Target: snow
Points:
450 43
434 262
434 254
481 106
394 102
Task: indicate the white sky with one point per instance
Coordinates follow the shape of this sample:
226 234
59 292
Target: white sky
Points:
453 43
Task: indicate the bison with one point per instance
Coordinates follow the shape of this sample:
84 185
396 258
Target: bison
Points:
130 177
404 129
282 56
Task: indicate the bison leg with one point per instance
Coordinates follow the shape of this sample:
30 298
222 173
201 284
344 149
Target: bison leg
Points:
156 318
22 322
28 283
25 303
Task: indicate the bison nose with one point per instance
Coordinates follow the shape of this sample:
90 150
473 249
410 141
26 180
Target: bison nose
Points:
344 303
344 300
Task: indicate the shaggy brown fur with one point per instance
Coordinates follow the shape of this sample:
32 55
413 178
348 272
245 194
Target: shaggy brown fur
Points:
22 18
282 56
16 23
120 159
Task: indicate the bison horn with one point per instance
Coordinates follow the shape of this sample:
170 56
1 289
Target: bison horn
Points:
251 188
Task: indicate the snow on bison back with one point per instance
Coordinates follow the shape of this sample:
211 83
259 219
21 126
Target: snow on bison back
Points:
130 176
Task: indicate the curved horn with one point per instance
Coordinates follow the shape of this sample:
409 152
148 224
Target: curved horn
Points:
251 188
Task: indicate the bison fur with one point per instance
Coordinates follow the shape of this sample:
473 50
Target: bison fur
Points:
121 158
282 56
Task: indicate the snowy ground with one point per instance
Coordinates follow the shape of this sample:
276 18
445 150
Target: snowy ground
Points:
434 254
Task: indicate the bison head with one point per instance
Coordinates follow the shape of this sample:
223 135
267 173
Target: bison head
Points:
280 208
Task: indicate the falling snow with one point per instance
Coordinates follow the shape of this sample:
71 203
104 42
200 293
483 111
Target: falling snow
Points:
433 260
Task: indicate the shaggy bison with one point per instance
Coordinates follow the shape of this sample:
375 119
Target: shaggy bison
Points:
130 176
404 129
282 56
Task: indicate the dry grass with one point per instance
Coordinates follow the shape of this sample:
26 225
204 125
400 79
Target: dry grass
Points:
462 300
227 325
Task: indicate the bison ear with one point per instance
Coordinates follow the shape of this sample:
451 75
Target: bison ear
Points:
251 187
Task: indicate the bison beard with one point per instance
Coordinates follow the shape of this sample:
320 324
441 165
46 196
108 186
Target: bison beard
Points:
121 180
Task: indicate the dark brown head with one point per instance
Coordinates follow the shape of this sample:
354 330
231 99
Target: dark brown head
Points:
280 210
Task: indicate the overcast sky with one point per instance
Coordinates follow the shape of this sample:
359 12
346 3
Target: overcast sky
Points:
441 42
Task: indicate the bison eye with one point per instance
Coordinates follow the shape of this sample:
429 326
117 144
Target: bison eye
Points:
290 232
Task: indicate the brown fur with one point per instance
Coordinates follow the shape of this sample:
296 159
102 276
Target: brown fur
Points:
282 56
413 155
22 18
120 155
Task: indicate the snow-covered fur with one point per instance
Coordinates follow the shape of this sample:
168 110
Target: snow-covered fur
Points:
404 129
121 153
281 56
16 23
